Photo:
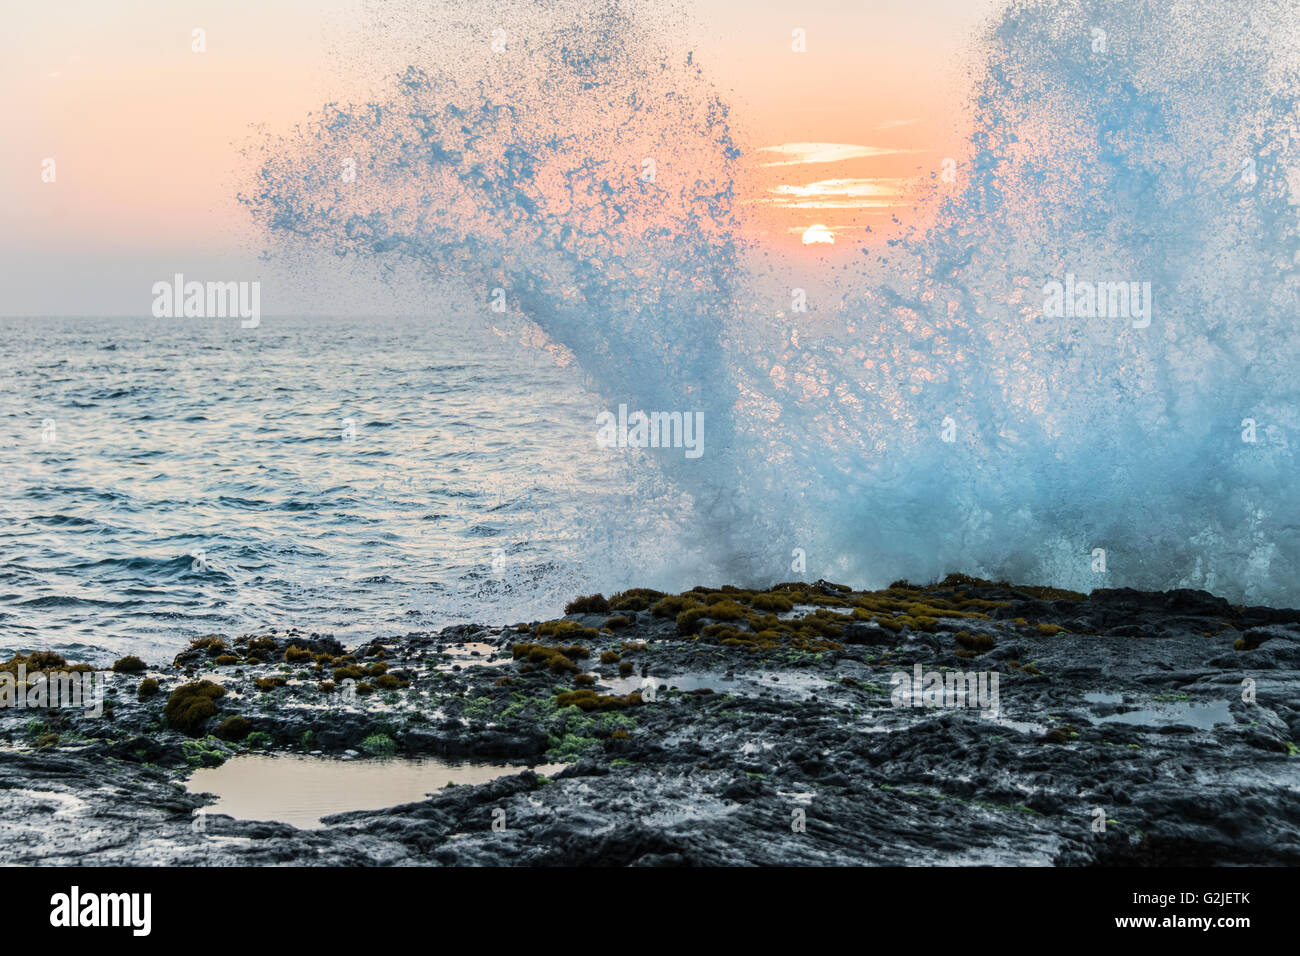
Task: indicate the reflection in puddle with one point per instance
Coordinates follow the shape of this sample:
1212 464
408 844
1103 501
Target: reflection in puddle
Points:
748 685
470 654
804 610
300 790
1103 697
1197 715
1021 726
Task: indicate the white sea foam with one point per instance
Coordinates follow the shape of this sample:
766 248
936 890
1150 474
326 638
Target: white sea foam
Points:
1066 433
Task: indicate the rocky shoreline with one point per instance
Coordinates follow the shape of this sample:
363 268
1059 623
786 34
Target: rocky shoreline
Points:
715 727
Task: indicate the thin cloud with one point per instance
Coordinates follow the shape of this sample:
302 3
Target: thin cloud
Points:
839 187
842 204
837 194
800 153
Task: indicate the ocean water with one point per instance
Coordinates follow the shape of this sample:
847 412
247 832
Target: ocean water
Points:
170 478
929 412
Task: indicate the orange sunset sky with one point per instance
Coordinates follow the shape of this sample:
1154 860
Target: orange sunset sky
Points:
145 133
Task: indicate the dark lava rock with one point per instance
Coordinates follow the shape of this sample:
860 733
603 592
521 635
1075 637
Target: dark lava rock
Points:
1170 717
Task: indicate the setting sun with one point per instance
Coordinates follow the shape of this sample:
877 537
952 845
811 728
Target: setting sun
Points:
818 234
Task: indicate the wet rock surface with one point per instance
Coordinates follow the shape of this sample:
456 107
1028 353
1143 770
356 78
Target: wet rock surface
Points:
717 727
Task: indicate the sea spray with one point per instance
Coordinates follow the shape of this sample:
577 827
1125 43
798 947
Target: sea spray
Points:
933 418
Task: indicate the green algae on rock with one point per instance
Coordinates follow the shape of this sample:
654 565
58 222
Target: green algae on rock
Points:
190 706
680 743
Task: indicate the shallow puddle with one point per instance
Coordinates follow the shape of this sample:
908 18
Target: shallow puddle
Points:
1020 726
1103 697
805 610
748 685
299 790
472 654
1179 712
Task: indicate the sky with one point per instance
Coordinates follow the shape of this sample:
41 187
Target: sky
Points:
145 133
